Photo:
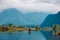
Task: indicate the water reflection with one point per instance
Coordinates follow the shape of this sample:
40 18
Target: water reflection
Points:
21 36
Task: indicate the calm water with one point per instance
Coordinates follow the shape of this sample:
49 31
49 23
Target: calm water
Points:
22 36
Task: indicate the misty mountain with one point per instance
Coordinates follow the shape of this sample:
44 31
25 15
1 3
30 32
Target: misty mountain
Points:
35 18
11 16
16 17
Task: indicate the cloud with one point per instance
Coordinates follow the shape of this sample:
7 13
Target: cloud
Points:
29 5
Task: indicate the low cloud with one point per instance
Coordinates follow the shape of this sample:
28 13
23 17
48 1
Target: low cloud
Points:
30 5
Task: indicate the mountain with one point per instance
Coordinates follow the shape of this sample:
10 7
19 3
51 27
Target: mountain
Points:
51 19
35 18
14 16
11 16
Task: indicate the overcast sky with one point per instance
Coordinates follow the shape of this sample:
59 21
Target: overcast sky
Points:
51 6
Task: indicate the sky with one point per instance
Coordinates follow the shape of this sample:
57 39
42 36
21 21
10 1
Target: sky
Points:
52 6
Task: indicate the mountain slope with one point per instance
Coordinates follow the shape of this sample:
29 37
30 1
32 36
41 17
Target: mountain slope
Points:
11 16
51 19
35 18
14 16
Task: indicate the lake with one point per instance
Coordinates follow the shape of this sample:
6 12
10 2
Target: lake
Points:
22 36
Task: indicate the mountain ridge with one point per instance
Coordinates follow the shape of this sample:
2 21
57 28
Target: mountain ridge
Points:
33 18
51 19
49 22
